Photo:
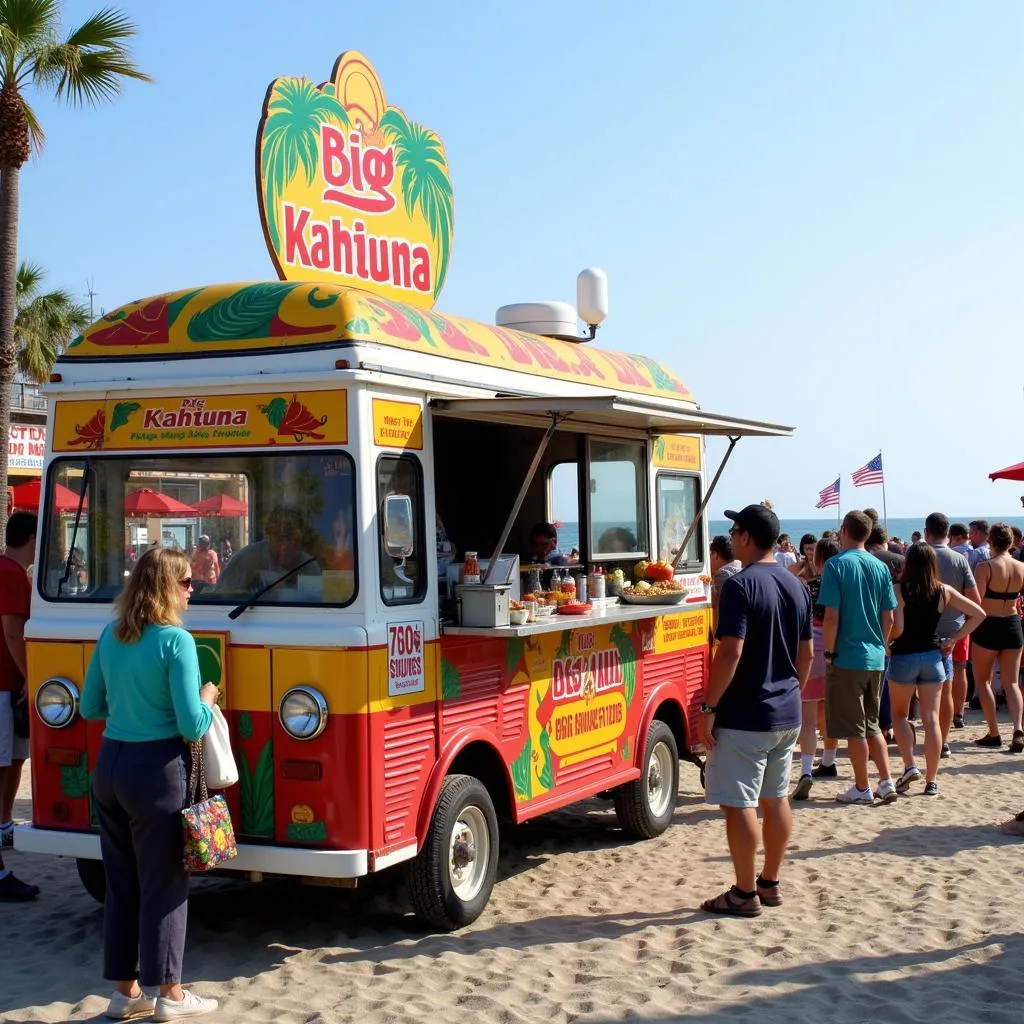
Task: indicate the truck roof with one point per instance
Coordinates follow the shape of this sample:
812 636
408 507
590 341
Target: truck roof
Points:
289 316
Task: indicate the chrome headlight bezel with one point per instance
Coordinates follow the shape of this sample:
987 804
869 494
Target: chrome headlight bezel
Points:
307 705
68 702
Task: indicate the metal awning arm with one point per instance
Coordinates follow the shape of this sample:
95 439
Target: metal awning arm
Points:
704 503
556 418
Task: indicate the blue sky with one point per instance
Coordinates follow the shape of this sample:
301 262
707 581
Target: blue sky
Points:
813 212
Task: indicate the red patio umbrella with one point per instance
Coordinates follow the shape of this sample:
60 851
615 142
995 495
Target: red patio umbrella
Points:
221 505
1010 473
147 502
27 496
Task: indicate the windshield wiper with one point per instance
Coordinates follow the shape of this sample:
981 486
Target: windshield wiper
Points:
74 529
253 598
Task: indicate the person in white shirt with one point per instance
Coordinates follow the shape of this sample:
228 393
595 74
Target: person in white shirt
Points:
784 553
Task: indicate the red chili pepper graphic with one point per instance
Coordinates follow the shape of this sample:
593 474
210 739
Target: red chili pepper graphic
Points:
91 435
300 423
146 325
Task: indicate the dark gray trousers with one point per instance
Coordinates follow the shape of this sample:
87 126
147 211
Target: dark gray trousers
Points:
140 790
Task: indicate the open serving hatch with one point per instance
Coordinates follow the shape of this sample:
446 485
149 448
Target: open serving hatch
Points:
602 412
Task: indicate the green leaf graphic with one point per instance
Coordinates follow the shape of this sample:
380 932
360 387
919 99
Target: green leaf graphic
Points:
565 647
360 326
307 831
521 781
627 652
274 410
257 793
450 684
514 648
245 725
248 312
74 780
625 751
547 775
122 414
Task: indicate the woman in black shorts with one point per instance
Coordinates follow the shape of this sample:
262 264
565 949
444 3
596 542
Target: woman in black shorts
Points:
1000 582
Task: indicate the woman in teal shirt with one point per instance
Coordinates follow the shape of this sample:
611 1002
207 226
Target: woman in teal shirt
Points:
143 679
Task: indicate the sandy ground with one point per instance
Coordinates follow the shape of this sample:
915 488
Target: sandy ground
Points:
907 913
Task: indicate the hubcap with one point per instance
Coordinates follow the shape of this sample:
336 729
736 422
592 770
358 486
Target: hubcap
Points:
659 778
469 852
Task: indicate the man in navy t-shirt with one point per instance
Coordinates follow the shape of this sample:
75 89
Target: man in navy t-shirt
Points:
750 720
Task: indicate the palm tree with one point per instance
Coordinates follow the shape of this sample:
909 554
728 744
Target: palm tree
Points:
88 66
291 136
425 181
44 323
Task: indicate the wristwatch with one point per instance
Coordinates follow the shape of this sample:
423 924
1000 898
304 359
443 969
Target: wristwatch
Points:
707 709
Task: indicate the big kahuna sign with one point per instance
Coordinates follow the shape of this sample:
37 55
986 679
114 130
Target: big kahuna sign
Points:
350 189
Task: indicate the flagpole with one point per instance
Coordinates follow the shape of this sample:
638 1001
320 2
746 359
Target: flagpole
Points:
839 513
885 514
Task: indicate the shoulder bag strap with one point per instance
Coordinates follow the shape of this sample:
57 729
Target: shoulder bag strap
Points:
197 791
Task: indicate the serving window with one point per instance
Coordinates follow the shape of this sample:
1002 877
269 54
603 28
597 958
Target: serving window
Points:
617 517
677 498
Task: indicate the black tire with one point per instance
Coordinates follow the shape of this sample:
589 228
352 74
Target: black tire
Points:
633 800
431 890
93 878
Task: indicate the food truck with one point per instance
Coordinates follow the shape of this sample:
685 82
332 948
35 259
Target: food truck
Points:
360 451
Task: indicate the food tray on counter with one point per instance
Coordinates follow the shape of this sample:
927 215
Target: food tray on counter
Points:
675 597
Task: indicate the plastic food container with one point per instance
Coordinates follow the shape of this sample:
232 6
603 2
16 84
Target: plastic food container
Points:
518 616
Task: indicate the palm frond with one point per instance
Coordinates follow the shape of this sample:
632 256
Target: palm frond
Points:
36 135
94 76
291 137
30 276
44 324
27 24
103 29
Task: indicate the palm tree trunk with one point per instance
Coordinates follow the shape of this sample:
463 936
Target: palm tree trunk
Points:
9 181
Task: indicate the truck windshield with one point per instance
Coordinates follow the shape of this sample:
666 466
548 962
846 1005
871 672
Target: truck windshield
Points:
243 521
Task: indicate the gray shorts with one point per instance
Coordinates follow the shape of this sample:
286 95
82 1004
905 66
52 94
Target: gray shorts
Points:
12 748
744 767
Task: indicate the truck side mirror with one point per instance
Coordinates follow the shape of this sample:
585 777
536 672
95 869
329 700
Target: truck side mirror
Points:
399 536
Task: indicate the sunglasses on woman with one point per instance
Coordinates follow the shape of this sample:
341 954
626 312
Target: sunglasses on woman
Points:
186 583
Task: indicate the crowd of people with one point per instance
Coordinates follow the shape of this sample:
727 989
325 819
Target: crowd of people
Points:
844 636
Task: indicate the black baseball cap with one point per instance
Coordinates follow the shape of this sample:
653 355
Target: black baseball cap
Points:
759 521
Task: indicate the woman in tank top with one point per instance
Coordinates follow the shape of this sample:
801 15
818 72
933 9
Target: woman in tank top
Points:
1000 581
916 663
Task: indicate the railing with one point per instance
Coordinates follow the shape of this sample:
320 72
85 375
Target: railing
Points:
27 396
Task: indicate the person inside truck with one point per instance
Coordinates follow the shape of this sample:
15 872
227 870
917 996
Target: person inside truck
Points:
544 545
279 552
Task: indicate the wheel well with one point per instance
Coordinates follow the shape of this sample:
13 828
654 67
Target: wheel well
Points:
484 763
672 715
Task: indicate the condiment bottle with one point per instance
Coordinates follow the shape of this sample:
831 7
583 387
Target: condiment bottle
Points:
471 568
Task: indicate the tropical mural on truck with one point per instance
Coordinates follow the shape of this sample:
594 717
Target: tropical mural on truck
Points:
350 189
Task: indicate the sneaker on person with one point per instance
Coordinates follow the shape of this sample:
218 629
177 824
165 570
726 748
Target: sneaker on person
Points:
911 774
7 833
191 1006
853 795
14 890
803 788
886 792
958 721
989 741
945 752
122 1007
931 789
825 771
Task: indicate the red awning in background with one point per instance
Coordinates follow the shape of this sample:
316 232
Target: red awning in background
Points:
221 505
147 502
1010 473
27 497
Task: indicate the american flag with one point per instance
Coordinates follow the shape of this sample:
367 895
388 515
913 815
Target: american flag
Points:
829 496
870 473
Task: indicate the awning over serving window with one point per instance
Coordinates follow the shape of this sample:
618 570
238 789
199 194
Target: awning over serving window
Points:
604 411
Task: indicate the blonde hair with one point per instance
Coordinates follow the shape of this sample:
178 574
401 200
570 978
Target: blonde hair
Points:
151 593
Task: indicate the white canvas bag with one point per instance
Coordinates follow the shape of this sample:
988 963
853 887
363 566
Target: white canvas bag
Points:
218 760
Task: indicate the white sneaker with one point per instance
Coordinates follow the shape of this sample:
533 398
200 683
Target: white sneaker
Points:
886 792
122 1007
191 1006
853 795
911 774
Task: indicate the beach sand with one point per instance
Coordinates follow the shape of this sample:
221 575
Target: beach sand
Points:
907 913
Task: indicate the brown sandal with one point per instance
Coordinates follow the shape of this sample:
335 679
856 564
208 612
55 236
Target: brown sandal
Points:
732 903
769 895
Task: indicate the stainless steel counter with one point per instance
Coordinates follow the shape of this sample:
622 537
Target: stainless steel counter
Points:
556 623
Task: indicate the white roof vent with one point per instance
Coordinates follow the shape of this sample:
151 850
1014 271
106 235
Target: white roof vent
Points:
551 319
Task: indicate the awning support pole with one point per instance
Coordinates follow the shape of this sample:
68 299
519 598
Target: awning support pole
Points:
521 497
704 504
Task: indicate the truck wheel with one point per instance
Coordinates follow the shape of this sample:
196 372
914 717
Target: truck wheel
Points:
93 878
645 807
451 878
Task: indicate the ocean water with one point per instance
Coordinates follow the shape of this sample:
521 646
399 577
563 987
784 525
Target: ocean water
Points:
902 527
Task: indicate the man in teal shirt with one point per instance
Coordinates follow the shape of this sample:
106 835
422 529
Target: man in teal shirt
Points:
856 591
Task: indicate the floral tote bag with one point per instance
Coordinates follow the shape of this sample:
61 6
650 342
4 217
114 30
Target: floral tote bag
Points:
208 833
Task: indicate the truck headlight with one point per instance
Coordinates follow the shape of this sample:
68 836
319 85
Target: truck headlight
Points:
57 702
303 713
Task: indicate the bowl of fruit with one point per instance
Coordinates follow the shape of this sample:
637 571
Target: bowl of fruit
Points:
655 583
